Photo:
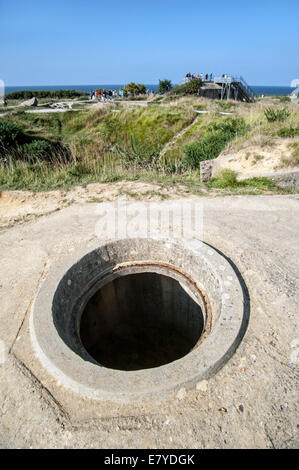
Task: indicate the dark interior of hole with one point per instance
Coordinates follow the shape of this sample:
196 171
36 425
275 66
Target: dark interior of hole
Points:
140 321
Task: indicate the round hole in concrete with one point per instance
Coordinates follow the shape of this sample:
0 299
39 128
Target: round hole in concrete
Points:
140 321
204 335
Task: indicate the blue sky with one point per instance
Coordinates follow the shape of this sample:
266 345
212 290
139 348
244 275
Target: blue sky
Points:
51 42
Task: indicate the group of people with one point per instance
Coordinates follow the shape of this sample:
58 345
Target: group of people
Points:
104 94
204 77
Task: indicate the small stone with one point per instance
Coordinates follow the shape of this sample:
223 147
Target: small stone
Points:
181 394
222 409
202 386
241 408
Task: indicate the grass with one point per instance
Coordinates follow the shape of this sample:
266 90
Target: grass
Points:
108 146
227 180
293 159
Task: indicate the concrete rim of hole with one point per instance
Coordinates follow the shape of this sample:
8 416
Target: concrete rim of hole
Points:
202 271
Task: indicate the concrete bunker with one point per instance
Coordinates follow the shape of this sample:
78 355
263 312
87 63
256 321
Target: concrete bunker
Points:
137 319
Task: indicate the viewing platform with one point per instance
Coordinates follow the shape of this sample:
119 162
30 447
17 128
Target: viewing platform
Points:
225 87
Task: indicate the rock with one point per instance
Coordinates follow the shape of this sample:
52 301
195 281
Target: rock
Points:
59 105
31 102
202 386
181 394
206 168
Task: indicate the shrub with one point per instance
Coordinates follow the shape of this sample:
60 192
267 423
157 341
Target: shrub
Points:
230 127
284 98
215 140
10 134
27 94
190 88
37 149
288 132
209 147
224 105
164 86
226 179
272 114
135 89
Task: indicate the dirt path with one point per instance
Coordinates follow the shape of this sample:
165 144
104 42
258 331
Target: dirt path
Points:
172 142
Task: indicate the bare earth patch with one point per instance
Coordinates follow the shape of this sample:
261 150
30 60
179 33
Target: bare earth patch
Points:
257 160
21 206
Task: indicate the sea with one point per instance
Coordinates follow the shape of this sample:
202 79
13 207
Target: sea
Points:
259 90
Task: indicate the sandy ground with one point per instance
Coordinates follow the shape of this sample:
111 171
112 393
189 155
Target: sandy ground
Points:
257 160
20 206
252 402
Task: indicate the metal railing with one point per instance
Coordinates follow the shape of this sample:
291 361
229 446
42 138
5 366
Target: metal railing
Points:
229 79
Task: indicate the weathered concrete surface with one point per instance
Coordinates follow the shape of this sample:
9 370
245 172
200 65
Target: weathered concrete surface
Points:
206 168
250 403
203 271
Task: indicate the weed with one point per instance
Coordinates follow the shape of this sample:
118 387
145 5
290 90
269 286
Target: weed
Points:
273 115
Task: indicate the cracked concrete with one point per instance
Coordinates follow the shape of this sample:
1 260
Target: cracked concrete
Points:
250 403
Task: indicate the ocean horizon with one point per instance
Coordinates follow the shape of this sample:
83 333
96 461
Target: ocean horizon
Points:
258 89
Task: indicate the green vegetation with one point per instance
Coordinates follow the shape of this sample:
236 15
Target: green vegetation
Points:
288 132
227 180
10 135
214 141
120 141
138 153
276 114
164 86
17 145
135 89
225 105
190 88
285 99
56 94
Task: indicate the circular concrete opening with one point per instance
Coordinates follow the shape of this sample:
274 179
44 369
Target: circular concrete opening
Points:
140 321
139 318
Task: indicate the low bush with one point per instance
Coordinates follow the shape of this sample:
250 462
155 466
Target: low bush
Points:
10 134
273 115
135 89
284 99
209 147
288 132
15 144
27 94
227 179
37 149
164 86
190 88
214 141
